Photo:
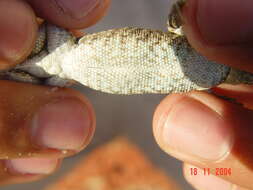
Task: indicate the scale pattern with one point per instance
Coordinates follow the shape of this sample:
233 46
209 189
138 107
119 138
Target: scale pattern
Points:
134 61
124 61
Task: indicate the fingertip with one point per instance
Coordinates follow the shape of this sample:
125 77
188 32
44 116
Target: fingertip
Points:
26 170
32 166
18 32
207 131
75 14
60 123
217 26
184 124
222 36
161 113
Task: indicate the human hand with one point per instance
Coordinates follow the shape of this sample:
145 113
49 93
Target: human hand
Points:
202 129
40 125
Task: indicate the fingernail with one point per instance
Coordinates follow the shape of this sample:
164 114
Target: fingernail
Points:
62 124
222 27
207 182
17 32
78 8
193 129
31 165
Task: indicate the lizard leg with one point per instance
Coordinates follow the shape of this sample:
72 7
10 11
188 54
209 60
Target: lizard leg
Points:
174 21
56 37
40 41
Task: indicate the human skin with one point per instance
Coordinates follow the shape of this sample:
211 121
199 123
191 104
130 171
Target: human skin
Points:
205 130
38 123
202 129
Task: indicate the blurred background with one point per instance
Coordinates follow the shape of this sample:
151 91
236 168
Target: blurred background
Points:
130 116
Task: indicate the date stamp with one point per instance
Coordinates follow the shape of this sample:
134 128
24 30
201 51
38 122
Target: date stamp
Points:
211 171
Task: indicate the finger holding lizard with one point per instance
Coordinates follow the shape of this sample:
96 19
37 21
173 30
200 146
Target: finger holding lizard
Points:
40 125
199 128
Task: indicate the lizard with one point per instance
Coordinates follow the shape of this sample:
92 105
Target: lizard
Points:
124 61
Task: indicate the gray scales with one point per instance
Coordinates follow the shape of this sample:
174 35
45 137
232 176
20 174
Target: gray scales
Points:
124 61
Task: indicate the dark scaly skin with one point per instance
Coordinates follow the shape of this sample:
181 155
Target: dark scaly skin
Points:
149 37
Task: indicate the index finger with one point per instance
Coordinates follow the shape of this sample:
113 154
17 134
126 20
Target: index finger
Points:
222 30
74 14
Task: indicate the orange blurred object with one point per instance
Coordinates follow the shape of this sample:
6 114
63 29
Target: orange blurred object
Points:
118 165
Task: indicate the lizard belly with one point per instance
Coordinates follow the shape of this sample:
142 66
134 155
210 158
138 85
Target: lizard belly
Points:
137 61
